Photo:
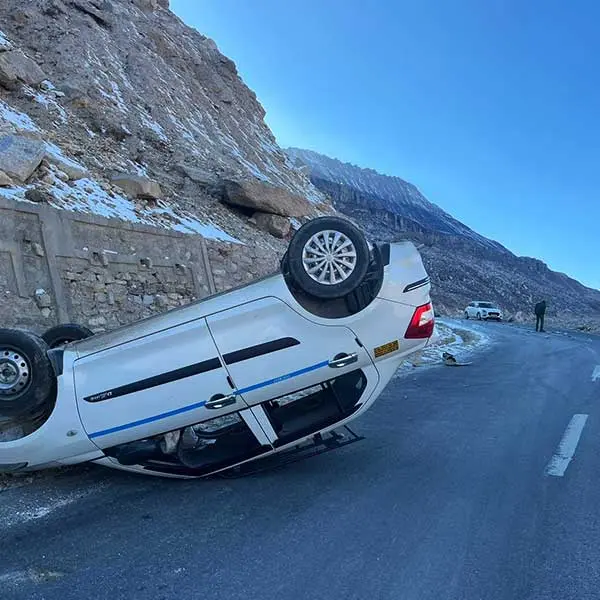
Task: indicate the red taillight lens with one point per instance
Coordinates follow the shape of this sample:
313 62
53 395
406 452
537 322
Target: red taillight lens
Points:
422 323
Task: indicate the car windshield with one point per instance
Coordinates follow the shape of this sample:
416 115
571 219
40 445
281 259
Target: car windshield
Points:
486 305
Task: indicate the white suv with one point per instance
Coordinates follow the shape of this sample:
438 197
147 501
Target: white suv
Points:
252 372
483 310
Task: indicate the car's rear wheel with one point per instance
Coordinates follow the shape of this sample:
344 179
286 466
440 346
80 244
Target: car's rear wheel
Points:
27 382
63 334
466 315
328 258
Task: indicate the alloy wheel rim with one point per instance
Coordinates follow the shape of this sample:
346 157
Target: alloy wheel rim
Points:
329 257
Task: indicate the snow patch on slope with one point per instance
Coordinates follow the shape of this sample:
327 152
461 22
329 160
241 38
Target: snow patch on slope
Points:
55 151
87 196
115 96
4 43
20 120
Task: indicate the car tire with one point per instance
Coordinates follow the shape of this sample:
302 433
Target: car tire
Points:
326 272
479 316
466 315
27 381
63 334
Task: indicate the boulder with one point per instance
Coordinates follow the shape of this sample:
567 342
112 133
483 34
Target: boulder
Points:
5 180
20 156
265 198
276 225
199 176
227 96
42 298
38 196
16 66
137 186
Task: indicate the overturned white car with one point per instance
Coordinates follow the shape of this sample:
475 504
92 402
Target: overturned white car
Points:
259 370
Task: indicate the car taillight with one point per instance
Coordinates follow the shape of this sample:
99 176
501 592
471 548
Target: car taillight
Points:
421 325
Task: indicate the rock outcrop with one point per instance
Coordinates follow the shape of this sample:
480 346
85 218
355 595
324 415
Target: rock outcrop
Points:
125 87
15 66
20 156
137 186
266 198
276 225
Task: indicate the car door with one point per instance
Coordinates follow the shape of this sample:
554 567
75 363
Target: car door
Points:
153 384
271 350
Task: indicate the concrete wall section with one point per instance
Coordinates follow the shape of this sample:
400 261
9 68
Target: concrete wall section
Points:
58 266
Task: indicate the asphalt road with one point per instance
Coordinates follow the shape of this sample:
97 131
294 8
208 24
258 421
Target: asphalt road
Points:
446 499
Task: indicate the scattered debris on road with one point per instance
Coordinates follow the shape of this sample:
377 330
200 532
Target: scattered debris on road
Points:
450 337
450 361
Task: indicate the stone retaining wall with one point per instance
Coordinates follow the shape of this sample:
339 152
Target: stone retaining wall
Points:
58 267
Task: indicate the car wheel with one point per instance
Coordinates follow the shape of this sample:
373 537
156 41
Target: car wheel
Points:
328 257
479 316
27 381
466 315
63 334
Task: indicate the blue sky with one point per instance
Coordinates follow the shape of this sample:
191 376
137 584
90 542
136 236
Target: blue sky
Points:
491 108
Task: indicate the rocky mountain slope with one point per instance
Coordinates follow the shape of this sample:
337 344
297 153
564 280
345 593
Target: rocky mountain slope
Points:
463 265
116 107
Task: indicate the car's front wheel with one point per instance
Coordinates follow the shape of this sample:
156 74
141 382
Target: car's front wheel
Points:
328 258
63 334
466 315
27 382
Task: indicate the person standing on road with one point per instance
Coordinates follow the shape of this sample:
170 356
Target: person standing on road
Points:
540 312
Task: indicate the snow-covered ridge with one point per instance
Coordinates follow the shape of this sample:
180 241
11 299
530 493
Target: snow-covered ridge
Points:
20 120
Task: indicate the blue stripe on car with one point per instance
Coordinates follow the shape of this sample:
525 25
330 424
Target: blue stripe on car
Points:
196 405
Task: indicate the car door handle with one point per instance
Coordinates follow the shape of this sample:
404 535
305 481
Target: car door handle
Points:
343 360
220 401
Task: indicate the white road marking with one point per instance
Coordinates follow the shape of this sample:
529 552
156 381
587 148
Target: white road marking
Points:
596 373
15 578
566 449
